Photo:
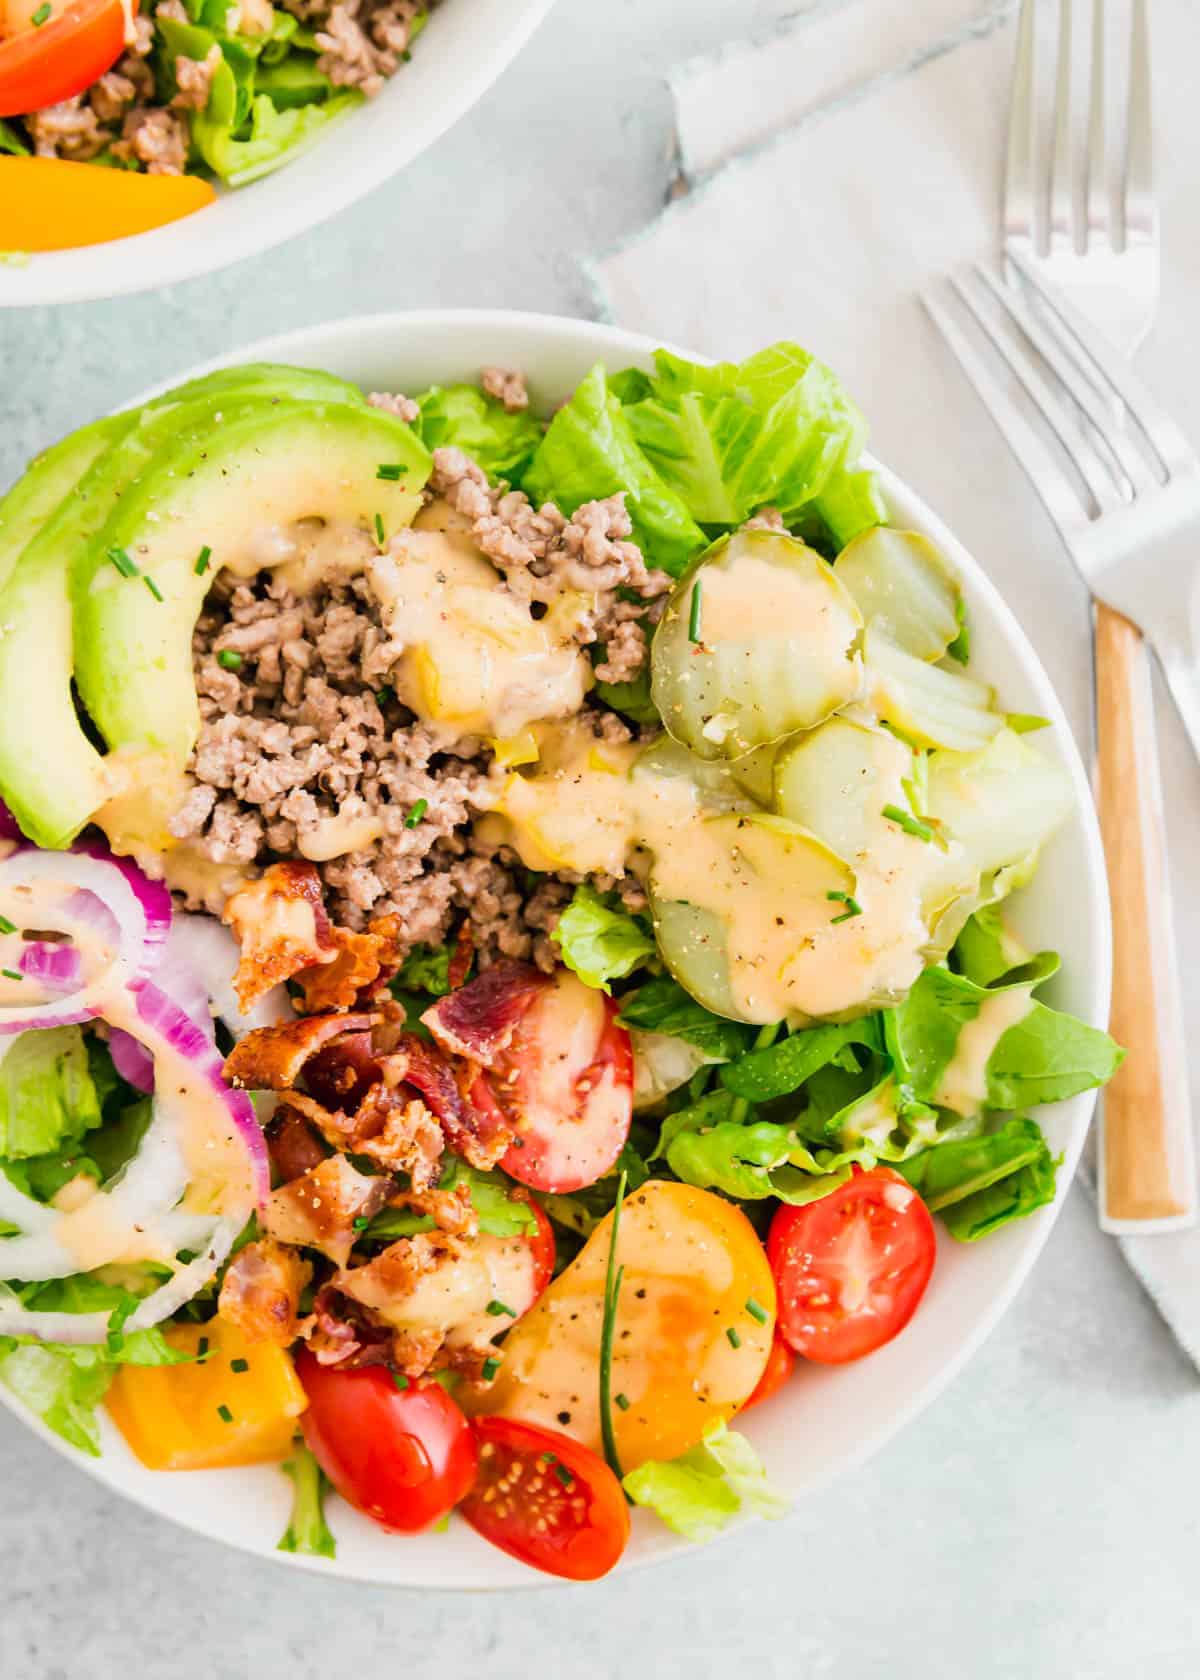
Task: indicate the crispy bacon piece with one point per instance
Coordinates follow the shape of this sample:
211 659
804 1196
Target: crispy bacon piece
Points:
363 963
479 1134
451 1210
464 956
343 1333
293 1145
281 926
391 1126
341 1073
386 1282
479 1019
261 1291
320 1208
272 1058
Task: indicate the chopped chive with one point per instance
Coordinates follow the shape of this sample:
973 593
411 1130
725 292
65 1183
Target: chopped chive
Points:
400 1380
910 824
229 659
497 1309
490 1367
853 907
612 1290
122 562
361 1223
389 470
564 1475
417 812
224 1412
11 974
694 614
622 1400
757 1311
202 559
202 1347
152 587
379 528
41 15
239 1365
734 1339
6 926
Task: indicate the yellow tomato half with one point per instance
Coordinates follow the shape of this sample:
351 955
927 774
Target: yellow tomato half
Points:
694 1324
236 1403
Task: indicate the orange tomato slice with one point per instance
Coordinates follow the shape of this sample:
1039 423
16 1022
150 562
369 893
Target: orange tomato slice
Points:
47 204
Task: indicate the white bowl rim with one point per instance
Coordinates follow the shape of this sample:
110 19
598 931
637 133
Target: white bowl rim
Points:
290 346
147 261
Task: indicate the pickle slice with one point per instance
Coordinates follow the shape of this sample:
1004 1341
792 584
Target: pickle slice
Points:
904 588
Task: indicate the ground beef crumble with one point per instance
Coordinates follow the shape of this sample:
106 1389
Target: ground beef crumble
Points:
305 728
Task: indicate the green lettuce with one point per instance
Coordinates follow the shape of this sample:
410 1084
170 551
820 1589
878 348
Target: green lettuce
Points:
47 1094
987 949
589 452
63 1385
464 417
705 1488
601 942
774 430
662 1006
426 968
632 699
783 1068
274 137
307 1531
500 1215
978 1184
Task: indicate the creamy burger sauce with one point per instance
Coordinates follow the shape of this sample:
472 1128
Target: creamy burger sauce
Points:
218 1179
964 1084
582 809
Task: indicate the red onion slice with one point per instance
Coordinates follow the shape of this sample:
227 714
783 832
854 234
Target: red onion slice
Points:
56 967
132 1060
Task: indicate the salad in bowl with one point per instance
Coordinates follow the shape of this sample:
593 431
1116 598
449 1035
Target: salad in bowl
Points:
510 947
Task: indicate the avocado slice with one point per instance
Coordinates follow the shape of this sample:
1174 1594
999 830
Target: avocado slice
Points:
53 780
265 464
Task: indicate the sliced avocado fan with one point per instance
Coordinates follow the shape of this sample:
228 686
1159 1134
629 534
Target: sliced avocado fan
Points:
53 526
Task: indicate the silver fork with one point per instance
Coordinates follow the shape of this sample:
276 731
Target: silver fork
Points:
1124 516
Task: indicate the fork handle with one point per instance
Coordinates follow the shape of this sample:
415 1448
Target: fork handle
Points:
1147 1154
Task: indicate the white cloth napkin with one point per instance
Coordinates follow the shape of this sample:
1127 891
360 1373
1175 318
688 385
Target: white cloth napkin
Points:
828 173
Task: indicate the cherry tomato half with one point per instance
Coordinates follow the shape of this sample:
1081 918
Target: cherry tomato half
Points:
39 65
542 1243
566 1085
403 1456
543 1498
851 1268
781 1362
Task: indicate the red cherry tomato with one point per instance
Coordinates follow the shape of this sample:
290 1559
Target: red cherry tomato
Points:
565 1084
403 1456
541 1242
781 1362
39 65
851 1268
545 1499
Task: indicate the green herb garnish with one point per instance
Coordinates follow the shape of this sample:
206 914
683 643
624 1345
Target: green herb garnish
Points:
389 470
202 559
224 1412
734 1339
910 824
202 1347
361 1223
122 562
239 1365
379 528
497 1309
400 1380
694 614
6 926
490 1367
564 1476
612 1289
11 974
41 15
756 1311
152 587
229 659
417 812
623 1401
853 907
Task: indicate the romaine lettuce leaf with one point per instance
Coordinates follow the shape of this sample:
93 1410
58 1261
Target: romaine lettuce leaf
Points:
987 949
632 699
464 417
500 1215
307 1531
662 1006
426 968
47 1094
701 1491
980 1184
782 1068
601 942
589 452
274 136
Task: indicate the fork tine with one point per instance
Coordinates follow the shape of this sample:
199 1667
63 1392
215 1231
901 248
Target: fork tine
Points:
1062 185
1137 188
1019 204
1110 443
1096 189
1047 478
1050 405
1114 374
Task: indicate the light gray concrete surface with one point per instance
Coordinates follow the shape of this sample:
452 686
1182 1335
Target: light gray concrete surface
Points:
1040 1520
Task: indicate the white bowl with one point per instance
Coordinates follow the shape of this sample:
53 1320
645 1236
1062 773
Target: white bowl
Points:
464 49
826 1419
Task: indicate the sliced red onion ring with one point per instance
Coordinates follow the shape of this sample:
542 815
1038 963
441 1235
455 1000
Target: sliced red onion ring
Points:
56 967
132 1060
140 909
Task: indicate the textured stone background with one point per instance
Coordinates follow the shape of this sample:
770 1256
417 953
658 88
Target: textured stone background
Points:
1039 1520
